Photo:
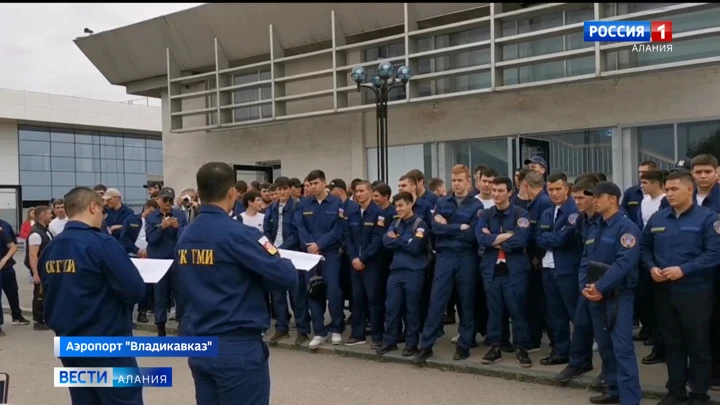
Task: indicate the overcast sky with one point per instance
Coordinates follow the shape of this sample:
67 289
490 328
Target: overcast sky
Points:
37 52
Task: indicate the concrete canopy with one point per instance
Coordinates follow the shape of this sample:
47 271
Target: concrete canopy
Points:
137 52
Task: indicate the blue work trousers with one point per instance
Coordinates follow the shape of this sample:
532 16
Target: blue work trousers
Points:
581 342
9 285
329 269
161 292
561 297
512 292
368 301
458 270
404 290
299 303
102 395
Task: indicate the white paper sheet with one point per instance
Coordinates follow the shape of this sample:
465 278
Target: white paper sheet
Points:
301 261
152 270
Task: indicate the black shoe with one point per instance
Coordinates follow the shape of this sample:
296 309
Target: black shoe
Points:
671 399
278 336
599 383
2 333
653 358
605 399
354 342
567 374
385 349
642 335
401 339
20 321
523 358
461 354
409 351
301 339
493 355
508 348
376 345
554 360
40 326
422 355
142 317
698 401
587 367
449 319
161 330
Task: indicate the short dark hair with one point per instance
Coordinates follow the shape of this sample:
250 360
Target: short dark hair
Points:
583 185
648 163
272 188
557 177
376 182
355 182
295 182
150 204
435 183
588 176
682 175
382 189
404 196
521 174
489 172
250 196
602 176
100 187
411 179
480 168
241 186
214 181
282 182
57 202
417 174
503 180
364 183
255 185
704 160
78 200
265 186
155 194
316 174
653 175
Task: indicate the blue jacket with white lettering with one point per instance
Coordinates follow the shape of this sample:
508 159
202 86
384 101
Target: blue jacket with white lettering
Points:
510 220
90 283
409 247
271 224
322 223
449 238
615 242
130 233
161 242
227 268
690 241
559 236
365 233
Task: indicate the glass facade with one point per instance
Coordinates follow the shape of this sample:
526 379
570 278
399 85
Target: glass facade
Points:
251 94
54 160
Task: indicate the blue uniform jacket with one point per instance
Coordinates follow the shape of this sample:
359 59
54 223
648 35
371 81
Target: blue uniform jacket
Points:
322 223
226 269
535 208
632 198
615 242
349 207
7 230
516 201
513 219
271 223
691 241
639 221
365 233
238 209
449 238
90 283
712 201
130 233
560 237
429 198
161 242
410 247
421 208
118 218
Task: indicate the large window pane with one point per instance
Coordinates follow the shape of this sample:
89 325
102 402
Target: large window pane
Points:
154 143
135 142
110 179
29 178
135 193
136 180
155 168
33 133
577 152
34 163
491 152
62 149
111 165
87 179
154 154
86 165
108 138
60 191
134 166
34 148
695 138
132 153
110 152
401 159
63 179
62 135
656 143
63 164
87 151
85 137
35 193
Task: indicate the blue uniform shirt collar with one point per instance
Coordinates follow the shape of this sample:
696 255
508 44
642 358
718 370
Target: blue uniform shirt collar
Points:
410 220
671 211
504 212
211 209
613 219
78 225
713 195
566 205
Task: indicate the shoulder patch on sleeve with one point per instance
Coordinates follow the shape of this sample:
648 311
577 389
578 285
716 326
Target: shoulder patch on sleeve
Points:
572 219
716 226
268 246
381 221
420 233
523 222
627 240
341 213
480 213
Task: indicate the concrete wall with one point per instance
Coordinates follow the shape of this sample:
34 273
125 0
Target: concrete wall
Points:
337 143
9 166
57 110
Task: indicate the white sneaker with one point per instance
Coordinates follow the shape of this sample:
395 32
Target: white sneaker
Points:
317 341
455 339
336 339
595 346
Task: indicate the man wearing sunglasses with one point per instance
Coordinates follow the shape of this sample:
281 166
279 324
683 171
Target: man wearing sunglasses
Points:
162 229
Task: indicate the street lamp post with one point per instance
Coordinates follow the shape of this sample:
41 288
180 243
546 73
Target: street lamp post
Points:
385 80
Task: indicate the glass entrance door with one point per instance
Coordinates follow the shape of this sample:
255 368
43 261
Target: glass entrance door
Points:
253 173
525 148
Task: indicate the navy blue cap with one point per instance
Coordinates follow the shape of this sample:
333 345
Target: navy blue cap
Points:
537 159
605 187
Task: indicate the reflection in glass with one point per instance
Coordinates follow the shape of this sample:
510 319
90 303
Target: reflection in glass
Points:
34 148
32 178
33 133
656 143
574 153
692 138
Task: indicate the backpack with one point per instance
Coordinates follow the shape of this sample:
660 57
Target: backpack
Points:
416 225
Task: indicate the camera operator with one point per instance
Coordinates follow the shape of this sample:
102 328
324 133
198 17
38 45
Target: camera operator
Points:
188 203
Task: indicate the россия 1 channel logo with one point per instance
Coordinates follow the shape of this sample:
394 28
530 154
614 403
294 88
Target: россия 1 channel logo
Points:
659 33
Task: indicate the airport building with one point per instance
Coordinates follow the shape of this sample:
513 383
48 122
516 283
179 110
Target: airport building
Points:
267 86
50 144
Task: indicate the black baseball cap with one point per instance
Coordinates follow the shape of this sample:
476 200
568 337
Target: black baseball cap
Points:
605 187
684 163
338 183
153 184
167 192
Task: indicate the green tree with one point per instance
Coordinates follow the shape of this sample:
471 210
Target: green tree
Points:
709 145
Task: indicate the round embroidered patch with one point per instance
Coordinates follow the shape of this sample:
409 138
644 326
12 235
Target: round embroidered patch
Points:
716 225
572 219
627 240
523 222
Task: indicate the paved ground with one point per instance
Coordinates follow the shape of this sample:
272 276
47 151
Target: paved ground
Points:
298 378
